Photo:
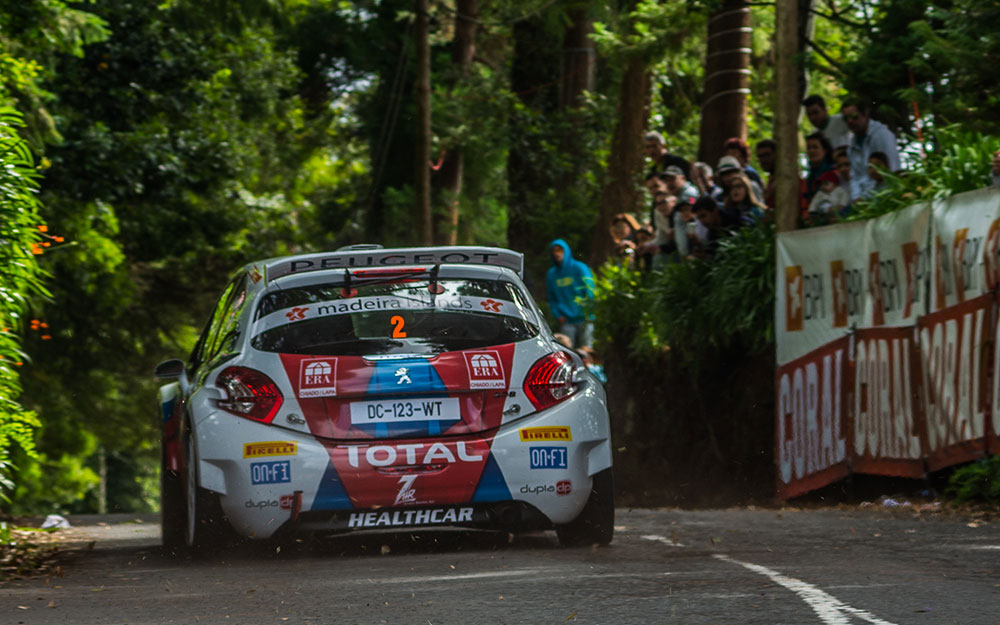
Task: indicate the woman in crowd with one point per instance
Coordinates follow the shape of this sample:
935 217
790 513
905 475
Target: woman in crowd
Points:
819 153
741 202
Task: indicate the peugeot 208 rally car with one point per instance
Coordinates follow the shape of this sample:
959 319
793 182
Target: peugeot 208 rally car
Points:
373 388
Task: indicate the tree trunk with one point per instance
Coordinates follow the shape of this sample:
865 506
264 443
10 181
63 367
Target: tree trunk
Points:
806 26
463 50
727 79
786 118
424 221
578 59
620 193
534 60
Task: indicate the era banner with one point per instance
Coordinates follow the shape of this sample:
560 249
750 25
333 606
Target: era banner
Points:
810 432
887 433
820 284
952 362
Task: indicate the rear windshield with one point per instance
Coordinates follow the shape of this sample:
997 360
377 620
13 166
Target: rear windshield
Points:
409 317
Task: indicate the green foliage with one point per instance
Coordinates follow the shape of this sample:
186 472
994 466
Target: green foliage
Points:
21 286
958 160
977 481
697 309
936 54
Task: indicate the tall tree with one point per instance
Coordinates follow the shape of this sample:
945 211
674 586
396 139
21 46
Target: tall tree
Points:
787 115
449 178
727 78
422 173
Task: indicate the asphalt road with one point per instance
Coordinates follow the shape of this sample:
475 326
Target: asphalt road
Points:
828 567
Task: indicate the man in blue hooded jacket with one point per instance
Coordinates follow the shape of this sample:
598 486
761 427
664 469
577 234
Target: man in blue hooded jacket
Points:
567 280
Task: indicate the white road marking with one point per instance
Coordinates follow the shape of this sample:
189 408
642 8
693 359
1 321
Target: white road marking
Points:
984 547
495 574
829 609
663 539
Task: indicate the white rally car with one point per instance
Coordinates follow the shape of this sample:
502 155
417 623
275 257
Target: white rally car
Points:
374 388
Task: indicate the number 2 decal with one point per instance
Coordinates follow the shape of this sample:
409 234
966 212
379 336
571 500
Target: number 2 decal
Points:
397 327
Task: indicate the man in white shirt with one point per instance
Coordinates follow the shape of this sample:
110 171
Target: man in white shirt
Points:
869 136
832 126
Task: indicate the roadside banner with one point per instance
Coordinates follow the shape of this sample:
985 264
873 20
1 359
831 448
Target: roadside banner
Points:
810 432
886 430
993 422
952 362
898 262
820 287
965 235
887 354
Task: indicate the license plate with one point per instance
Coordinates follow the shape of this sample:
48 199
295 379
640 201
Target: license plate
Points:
403 410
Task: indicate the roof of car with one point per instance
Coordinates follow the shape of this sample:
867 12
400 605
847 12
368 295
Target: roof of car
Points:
371 256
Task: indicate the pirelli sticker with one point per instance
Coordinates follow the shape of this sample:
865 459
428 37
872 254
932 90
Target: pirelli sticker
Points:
270 448
548 433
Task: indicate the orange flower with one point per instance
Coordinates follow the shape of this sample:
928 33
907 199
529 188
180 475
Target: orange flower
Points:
43 228
59 239
46 244
45 325
36 250
46 337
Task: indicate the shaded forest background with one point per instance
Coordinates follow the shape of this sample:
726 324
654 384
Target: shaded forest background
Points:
149 148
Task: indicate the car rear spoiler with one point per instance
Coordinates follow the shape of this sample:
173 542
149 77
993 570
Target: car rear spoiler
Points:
366 257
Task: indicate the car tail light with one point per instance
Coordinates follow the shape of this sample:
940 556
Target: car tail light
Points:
550 380
250 394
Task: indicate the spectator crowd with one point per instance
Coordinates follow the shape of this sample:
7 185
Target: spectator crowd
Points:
694 206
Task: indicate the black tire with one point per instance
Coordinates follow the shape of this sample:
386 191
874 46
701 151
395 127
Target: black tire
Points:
204 526
171 510
596 523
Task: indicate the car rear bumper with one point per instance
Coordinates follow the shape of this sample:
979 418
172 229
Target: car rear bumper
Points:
270 477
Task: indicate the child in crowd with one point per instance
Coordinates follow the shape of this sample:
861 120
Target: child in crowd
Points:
831 199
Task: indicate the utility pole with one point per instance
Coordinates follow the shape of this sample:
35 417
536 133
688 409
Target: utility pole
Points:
786 118
423 148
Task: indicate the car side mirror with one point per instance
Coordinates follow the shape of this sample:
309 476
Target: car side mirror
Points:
172 369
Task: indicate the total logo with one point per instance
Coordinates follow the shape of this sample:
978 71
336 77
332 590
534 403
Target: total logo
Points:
414 453
562 487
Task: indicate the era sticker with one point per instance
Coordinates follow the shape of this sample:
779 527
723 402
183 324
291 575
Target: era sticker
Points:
276 472
485 370
317 377
548 457
271 448
548 433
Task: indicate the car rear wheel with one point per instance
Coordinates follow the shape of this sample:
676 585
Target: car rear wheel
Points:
596 523
205 526
171 509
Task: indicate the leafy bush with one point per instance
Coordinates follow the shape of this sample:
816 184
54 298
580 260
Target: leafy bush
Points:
694 307
978 481
20 280
959 161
